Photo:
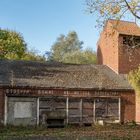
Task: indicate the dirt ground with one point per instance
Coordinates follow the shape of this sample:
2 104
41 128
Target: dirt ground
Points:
112 132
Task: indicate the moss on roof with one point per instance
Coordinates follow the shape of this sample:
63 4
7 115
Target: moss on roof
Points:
58 75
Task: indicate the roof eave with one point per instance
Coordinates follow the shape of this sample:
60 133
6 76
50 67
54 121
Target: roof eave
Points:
66 88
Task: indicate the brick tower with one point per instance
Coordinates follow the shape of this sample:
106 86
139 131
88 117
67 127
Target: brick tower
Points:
119 48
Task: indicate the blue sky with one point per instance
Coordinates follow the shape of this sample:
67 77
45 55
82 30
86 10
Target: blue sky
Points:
42 21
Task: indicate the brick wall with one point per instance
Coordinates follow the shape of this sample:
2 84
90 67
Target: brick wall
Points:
128 110
128 104
107 48
1 106
112 52
129 59
138 108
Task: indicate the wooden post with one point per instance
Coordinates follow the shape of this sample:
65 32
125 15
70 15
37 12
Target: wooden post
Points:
106 106
119 110
81 111
37 121
67 110
5 110
94 111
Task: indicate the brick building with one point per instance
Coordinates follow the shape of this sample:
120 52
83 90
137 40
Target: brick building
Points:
119 48
33 93
114 50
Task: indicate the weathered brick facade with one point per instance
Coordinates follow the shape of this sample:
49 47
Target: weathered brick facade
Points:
128 111
129 59
112 52
41 80
127 107
138 108
107 48
121 58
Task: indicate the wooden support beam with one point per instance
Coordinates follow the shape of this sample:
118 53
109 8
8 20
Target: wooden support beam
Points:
81 110
5 110
37 118
67 110
94 111
106 106
119 109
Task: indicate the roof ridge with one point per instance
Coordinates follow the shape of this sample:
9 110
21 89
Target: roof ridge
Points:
125 27
122 21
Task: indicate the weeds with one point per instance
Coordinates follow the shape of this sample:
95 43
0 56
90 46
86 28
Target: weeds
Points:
111 132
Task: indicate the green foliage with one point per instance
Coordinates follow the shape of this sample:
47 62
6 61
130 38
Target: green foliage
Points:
134 79
65 44
131 123
68 49
12 45
80 57
33 55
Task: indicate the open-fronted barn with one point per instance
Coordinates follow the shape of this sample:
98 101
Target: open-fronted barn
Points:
46 93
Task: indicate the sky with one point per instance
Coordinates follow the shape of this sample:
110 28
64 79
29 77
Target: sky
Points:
41 21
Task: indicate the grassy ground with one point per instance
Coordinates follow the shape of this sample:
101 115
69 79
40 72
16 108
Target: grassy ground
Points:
113 132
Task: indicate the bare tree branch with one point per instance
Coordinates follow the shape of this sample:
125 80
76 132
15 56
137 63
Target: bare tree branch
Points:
130 9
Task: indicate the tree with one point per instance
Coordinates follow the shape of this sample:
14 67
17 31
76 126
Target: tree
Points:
87 56
134 79
33 55
12 44
65 44
68 49
113 9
